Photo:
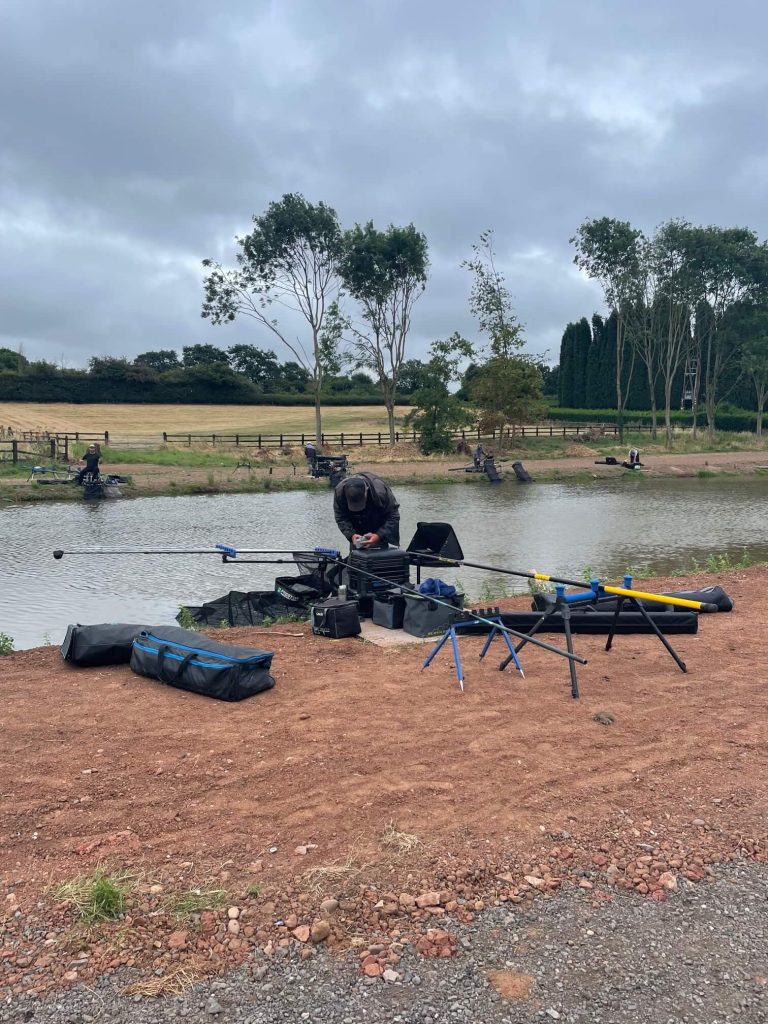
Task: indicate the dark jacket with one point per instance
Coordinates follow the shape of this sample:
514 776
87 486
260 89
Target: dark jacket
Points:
381 514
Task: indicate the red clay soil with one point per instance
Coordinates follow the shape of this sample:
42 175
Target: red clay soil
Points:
510 778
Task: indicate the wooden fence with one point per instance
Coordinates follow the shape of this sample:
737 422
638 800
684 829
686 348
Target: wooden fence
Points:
354 438
15 451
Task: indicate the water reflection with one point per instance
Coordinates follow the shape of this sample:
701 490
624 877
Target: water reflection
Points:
558 528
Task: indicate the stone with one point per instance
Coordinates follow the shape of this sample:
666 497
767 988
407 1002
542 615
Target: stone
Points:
291 922
301 850
535 882
669 880
407 902
233 927
320 931
301 933
213 1006
233 913
155 890
372 970
428 899
177 940
329 906
699 822
390 976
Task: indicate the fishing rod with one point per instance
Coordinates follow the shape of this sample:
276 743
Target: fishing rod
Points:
231 554
225 551
595 585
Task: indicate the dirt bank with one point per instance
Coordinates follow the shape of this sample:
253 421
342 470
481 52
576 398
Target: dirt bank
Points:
295 792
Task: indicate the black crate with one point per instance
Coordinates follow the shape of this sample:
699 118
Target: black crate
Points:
391 565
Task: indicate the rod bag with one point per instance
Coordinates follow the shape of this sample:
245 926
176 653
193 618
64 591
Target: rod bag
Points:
189 661
110 643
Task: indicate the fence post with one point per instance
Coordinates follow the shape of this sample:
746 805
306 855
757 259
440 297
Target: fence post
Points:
189 440
281 440
106 438
14 451
379 439
397 437
341 439
361 439
53 449
237 440
302 440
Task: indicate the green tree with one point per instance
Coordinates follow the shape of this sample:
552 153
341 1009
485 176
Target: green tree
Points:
606 251
565 385
508 392
582 355
385 272
490 301
14 361
437 412
257 364
203 355
161 361
729 267
290 260
750 322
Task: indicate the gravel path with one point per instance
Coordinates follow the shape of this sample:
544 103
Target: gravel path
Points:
699 958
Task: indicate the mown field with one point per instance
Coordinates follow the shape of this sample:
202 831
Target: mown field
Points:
146 420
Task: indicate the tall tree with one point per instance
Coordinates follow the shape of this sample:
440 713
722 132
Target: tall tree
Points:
750 322
565 385
385 272
582 355
491 301
729 267
290 259
606 250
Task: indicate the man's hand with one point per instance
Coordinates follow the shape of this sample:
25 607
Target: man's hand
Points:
371 540
356 537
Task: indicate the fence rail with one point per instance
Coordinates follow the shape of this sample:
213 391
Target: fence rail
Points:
355 438
12 451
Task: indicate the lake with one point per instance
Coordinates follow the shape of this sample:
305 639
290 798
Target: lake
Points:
656 524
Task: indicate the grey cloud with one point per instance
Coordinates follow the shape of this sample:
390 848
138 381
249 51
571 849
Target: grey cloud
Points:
137 140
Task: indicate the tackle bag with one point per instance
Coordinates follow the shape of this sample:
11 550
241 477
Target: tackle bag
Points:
189 661
389 609
335 618
107 644
423 616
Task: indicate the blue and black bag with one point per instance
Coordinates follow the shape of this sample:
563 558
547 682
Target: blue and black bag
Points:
189 661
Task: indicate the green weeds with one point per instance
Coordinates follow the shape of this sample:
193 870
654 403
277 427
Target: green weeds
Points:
96 897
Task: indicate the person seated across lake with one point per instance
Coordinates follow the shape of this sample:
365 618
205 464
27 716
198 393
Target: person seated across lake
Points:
479 456
92 459
367 512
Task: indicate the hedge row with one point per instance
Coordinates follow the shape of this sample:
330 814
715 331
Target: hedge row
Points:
732 421
85 389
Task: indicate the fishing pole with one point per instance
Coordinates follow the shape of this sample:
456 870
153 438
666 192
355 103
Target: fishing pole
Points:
639 595
223 550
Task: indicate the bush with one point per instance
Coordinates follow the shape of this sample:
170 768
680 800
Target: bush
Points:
741 421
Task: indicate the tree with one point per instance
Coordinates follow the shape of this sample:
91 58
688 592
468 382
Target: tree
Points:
582 354
412 376
290 259
751 323
203 355
508 392
14 361
437 412
606 251
490 301
385 272
728 266
257 364
161 361
565 385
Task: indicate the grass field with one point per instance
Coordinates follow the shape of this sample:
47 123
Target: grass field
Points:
147 420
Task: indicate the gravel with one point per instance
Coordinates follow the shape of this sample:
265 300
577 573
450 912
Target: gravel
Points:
701 957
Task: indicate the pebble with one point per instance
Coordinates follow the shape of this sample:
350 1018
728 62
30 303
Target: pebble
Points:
213 1006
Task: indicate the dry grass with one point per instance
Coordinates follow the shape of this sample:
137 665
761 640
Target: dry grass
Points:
148 420
97 897
395 841
173 983
328 876
195 901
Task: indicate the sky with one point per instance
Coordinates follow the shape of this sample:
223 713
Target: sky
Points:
138 139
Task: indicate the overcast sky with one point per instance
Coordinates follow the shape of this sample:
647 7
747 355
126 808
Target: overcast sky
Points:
137 139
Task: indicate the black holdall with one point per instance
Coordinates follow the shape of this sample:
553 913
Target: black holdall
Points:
189 661
388 609
336 618
424 616
107 644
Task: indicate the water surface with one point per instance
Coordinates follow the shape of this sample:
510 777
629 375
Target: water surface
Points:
660 524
